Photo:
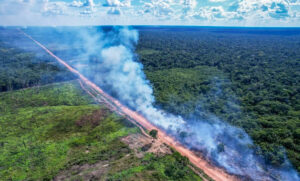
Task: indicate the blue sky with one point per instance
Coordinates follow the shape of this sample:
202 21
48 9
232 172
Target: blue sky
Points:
151 12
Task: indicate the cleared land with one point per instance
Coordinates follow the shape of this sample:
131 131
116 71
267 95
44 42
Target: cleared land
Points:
137 119
58 132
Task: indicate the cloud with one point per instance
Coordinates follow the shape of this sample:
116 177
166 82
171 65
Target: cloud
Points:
189 3
216 15
79 4
159 8
193 12
244 12
89 3
76 4
18 6
294 2
56 8
216 12
117 3
216 1
263 9
114 11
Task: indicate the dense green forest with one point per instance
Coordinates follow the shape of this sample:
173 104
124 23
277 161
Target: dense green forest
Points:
51 130
19 69
247 77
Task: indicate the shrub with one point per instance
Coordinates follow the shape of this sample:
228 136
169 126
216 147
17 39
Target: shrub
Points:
153 133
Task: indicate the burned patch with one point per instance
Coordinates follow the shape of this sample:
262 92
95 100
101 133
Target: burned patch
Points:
142 144
146 147
93 119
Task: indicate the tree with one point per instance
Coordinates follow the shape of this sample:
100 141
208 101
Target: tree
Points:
153 133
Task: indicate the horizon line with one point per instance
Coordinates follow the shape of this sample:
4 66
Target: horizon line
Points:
204 26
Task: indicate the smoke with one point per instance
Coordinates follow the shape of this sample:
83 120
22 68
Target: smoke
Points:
107 57
119 73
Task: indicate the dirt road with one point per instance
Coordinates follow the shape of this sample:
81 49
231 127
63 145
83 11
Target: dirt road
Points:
212 171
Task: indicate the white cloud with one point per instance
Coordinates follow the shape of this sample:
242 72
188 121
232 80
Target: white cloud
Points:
89 3
189 3
239 12
113 3
114 11
56 8
76 4
79 4
117 3
295 2
262 11
159 8
214 13
216 1
246 6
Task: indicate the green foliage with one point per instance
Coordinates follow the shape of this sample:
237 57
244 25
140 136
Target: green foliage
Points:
170 167
153 133
128 173
178 90
45 130
19 69
50 95
40 134
248 79
152 167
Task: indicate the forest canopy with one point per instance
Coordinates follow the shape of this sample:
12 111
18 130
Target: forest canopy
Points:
249 77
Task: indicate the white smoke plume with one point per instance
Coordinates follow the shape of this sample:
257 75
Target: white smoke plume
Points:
122 75
107 57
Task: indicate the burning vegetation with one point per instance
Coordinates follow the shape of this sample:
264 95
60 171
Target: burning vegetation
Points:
107 60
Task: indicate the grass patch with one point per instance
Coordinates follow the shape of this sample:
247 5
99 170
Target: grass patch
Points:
40 134
45 130
153 167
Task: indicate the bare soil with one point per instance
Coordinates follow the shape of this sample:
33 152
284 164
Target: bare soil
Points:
93 119
84 172
142 144
212 171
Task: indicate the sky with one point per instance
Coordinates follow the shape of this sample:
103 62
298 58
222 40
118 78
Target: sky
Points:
261 13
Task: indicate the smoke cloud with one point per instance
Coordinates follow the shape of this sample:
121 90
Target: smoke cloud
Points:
122 76
107 57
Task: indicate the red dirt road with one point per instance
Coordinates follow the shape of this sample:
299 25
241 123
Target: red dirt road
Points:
212 171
